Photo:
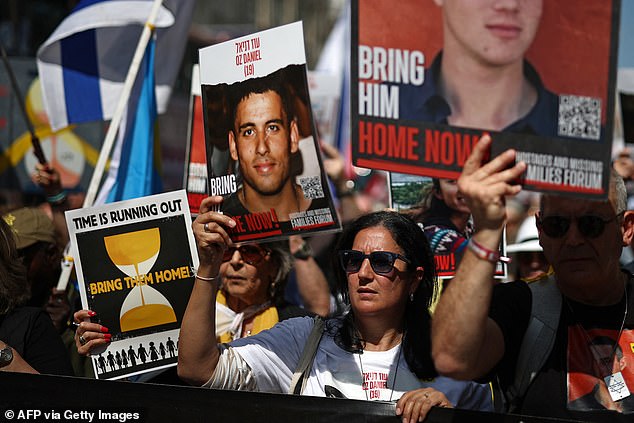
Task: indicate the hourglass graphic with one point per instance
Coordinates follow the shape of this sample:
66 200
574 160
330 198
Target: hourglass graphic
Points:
134 253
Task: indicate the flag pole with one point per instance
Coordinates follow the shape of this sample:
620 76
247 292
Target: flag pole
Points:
108 142
37 147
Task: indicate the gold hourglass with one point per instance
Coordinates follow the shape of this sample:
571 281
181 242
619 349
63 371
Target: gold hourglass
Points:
134 253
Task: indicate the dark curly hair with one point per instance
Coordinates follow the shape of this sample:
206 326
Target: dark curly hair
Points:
14 289
408 235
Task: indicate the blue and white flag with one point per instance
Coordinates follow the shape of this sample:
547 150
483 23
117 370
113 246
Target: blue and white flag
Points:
84 63
335 59
135 166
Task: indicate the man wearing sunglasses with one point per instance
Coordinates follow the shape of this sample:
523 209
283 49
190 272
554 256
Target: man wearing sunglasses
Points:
479 331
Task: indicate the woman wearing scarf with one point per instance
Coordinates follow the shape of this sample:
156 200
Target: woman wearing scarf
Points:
251 296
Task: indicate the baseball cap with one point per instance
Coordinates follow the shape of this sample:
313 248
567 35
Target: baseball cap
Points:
30 225
527 239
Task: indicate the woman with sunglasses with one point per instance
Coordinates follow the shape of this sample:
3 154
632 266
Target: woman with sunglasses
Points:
380 350
251 297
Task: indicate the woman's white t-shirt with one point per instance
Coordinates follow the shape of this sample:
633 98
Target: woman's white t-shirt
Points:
273 355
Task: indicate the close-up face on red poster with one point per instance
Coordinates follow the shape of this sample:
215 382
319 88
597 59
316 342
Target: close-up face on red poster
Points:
430 77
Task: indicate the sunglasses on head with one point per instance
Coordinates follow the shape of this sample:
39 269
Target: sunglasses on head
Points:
382 262
590 226
250 254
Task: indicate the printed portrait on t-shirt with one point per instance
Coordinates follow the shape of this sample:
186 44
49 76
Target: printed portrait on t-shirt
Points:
593 355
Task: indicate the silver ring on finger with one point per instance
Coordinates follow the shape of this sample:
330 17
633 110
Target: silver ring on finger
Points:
82 340
206 228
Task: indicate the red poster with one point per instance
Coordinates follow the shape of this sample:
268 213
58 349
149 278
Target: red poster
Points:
429 78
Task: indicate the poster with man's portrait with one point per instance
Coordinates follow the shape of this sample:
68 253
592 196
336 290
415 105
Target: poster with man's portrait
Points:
430 77
263 154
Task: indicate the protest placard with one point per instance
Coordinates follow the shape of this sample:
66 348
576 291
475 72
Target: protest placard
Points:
135 262
429 80
262 147
195 177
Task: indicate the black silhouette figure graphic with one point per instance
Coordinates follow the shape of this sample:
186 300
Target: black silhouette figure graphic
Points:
124 358
132 356
142 353
102 363
118 359
153 352
110 357
171 347
162 351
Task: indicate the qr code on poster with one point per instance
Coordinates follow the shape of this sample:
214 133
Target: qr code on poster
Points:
311 185
580 117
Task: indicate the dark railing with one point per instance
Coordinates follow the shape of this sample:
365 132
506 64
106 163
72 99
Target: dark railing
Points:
40 398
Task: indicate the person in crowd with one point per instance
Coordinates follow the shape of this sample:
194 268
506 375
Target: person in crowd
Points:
379 351
529 260
49 180
627 256
36 242
29 342
623 164
481 331
445 217
251 298
60 304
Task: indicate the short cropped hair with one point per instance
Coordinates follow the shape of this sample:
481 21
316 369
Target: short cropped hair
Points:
273 82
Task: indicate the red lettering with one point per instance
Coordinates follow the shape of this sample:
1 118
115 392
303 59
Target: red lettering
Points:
388 140
463 149
447 147
432 146
380 146
365 137
446 151
412 143
396 142
259 221
445 262
239 228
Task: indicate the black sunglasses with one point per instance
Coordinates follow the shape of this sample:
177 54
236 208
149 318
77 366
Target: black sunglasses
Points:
382 262
250 254
589 226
